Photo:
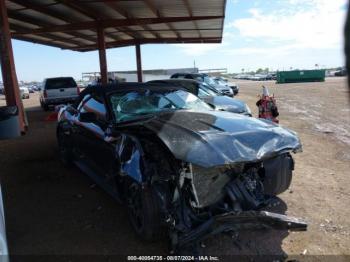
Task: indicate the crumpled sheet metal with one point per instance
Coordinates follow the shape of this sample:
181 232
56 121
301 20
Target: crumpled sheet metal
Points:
221 138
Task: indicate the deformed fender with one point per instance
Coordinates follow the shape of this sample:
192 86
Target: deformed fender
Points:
130 154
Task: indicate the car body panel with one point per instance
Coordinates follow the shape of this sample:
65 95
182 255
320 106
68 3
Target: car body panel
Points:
226 138
4 255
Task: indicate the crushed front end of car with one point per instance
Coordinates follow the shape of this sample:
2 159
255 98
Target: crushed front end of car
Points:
215 172
230 198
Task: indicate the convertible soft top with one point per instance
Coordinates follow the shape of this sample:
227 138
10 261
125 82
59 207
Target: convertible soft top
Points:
103 90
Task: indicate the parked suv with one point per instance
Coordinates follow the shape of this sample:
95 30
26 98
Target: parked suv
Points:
58 90
24 91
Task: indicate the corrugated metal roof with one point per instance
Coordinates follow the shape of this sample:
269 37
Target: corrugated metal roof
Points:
73 24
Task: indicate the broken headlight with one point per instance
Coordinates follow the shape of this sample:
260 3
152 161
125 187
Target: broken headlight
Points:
208 183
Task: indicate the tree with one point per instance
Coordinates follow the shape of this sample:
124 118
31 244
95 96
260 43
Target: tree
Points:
259 71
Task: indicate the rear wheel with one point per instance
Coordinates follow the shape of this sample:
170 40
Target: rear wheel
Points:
143 210
66 155
44 106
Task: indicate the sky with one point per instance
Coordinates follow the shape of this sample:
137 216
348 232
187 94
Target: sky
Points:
278 34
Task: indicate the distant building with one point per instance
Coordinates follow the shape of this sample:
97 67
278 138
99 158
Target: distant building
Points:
131 76
214 71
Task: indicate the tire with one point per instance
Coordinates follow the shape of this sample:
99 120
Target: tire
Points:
65 153
143 211
45 107
278 174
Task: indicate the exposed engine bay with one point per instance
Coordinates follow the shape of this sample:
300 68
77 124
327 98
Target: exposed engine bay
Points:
205 202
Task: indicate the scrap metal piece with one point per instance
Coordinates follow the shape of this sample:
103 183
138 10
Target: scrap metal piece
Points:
238 221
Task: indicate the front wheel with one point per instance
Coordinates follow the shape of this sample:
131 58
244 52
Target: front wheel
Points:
143 210
278 174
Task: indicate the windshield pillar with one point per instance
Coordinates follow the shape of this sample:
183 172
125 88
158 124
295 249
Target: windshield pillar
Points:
138 63
102 54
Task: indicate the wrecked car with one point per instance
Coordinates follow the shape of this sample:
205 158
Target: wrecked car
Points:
182 169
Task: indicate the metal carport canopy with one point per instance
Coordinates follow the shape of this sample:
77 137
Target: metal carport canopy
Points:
73 24
87 25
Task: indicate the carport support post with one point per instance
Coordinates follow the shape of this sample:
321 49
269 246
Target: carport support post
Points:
8 69
102 54
138 63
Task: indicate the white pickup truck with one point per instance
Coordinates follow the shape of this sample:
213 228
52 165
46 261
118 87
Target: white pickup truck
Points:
58 90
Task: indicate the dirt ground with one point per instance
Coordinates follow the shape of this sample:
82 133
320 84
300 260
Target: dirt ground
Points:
51 210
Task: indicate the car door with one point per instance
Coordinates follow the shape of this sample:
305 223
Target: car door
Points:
97 153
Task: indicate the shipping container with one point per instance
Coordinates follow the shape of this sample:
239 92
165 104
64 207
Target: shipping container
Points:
297 76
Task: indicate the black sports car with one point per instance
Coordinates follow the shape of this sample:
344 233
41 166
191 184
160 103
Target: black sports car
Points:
209 95
181 168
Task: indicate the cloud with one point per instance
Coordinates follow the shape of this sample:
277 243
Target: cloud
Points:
202 49
198 49
286 29
300 24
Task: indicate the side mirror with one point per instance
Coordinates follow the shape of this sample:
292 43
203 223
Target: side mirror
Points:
87 117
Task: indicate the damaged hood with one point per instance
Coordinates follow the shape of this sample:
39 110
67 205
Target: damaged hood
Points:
215 138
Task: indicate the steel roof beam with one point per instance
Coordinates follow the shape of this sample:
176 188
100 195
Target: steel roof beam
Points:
42 42
124 13
43 10
114 23
77 7
49 36
156 12
85 11
190 12
171 40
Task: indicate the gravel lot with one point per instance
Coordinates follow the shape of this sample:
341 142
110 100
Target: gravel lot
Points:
53 210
